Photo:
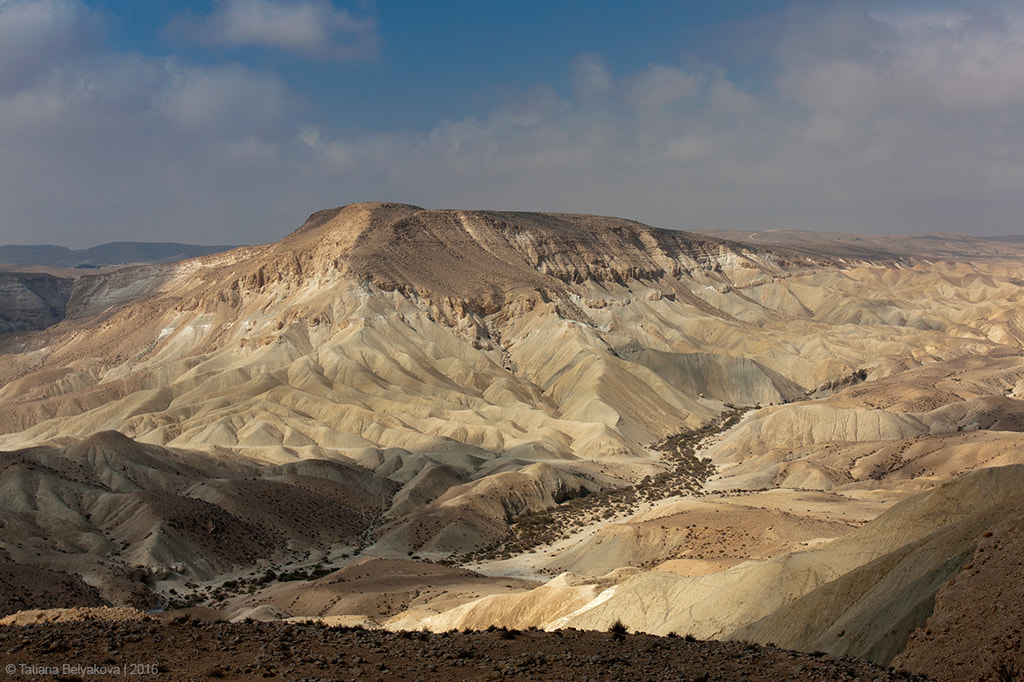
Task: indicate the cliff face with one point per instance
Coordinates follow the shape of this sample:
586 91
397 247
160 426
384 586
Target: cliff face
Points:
32 301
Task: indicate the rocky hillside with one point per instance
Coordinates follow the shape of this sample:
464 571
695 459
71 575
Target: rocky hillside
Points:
42 285
125 516
634 422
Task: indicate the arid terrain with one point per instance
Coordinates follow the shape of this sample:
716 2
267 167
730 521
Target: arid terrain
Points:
398 421
185 648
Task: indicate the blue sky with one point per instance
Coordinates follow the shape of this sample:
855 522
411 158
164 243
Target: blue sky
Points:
229 121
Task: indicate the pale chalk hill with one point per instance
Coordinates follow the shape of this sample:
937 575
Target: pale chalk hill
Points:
375 590
871 611
862 594
489 362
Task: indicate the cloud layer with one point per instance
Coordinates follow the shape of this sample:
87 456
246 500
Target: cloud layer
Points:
310 27
909 120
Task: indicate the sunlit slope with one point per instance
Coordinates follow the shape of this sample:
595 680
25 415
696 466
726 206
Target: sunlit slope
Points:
871 611
916 427
873 586
439 349
386 326
695 536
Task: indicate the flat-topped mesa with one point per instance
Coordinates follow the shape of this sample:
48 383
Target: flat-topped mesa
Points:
486 259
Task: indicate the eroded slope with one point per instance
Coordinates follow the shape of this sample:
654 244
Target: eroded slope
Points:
474 368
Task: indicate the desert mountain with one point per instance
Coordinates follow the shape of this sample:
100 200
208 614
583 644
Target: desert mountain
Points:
659 416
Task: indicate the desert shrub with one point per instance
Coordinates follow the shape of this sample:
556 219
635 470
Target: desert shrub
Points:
618 630
320 571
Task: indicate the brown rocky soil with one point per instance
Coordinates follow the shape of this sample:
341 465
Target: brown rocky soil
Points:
976 631
28 587
189 649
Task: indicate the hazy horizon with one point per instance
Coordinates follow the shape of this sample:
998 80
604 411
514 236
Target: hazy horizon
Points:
87 247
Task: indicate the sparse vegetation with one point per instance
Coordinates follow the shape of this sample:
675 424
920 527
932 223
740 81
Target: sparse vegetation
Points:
209 595
582 507
618 630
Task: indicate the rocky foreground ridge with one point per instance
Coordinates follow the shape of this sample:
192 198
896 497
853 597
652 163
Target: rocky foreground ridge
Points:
189 649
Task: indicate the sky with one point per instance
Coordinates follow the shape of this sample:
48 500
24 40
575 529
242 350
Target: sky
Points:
230 121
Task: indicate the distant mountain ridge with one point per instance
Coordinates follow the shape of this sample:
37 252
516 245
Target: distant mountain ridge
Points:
105 254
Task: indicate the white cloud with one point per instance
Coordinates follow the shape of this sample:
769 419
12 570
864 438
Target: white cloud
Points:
911 121
689 148
660 85
873 124
727 98
590 76
102 146
34 35
252 149
948 60
220 98
311 27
